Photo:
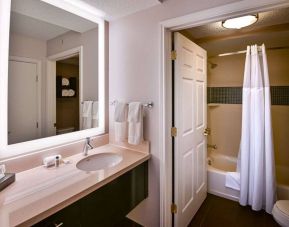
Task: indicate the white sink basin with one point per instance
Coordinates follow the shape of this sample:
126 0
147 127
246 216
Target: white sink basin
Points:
99 161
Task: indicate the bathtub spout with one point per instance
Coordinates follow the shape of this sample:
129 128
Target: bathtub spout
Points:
213 146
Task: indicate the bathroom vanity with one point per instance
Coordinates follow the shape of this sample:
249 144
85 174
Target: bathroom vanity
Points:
65 194
106 206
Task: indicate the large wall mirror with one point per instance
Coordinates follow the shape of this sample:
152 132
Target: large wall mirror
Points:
55 74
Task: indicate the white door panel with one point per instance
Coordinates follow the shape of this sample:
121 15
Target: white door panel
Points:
191 120
23 102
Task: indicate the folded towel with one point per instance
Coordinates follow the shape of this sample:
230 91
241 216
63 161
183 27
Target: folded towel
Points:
71 92
233 180
65 81
120 122
135 123
95 116
87 114
65 92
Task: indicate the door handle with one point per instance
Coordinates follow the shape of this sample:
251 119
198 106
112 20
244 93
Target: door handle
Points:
207 131
58 225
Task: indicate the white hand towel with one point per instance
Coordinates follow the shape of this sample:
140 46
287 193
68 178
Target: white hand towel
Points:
87 114
120 122
135 123
95 116
233 180
65 81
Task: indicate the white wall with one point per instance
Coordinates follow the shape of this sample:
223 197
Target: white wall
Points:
23 46
89 41
134 67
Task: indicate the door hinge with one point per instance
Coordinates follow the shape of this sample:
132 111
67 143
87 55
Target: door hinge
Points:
174 208
37 78
207 131
36 124
174 55
174 131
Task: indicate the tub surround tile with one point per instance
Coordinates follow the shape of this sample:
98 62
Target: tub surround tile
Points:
280 95
39 192
233 95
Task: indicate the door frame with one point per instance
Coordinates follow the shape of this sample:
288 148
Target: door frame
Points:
39 87
51 81
166 28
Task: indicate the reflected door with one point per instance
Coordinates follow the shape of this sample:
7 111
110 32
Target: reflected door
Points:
22 105
190 78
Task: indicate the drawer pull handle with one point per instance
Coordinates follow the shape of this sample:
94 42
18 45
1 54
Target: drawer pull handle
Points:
58 225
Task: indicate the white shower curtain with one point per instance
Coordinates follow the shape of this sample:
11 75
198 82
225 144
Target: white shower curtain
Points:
256 156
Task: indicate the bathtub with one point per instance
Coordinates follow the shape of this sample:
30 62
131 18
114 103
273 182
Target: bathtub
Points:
219 164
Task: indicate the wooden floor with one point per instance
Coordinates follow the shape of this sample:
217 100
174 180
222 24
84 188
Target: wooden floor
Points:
217 211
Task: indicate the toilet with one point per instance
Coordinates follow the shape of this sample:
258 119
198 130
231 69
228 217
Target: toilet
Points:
280 212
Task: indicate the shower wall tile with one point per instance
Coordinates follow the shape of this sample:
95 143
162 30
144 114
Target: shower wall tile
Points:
280 95
227 95
233 95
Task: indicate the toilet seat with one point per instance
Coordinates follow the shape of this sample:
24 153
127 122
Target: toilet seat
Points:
280 212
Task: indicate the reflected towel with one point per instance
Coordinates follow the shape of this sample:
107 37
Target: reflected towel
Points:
71 92
87 114
233 180
65 82
135 123
120 122
65 92
95 116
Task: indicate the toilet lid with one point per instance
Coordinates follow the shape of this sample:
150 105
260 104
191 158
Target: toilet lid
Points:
281 212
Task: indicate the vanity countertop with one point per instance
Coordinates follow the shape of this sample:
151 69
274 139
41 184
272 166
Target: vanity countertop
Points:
39 192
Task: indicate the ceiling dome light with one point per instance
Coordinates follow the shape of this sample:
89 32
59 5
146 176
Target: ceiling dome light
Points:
240 22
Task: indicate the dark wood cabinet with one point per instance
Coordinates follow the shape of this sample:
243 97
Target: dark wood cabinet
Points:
108 205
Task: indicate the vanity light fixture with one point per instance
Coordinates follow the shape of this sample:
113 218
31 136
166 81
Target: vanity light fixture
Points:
240 22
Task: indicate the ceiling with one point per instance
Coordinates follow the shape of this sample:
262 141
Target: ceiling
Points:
37 29
115 9
272 28
43 21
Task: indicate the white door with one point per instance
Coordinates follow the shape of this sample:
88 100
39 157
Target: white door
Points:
190 119
23 102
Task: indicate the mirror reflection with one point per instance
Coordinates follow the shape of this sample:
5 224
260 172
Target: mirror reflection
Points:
53 72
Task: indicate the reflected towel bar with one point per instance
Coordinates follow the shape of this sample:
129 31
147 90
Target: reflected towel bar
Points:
146 105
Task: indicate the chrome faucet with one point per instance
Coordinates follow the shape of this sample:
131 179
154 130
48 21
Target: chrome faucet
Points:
87 146
213 146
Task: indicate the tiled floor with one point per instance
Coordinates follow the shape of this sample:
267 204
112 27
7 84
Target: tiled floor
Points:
216 211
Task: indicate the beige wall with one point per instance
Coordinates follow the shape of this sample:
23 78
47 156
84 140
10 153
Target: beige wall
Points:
67 109
225 119
89 41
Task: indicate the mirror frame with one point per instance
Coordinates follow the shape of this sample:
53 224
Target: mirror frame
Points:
18 149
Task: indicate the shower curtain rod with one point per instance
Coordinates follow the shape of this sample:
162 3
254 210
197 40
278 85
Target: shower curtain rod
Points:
244 51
